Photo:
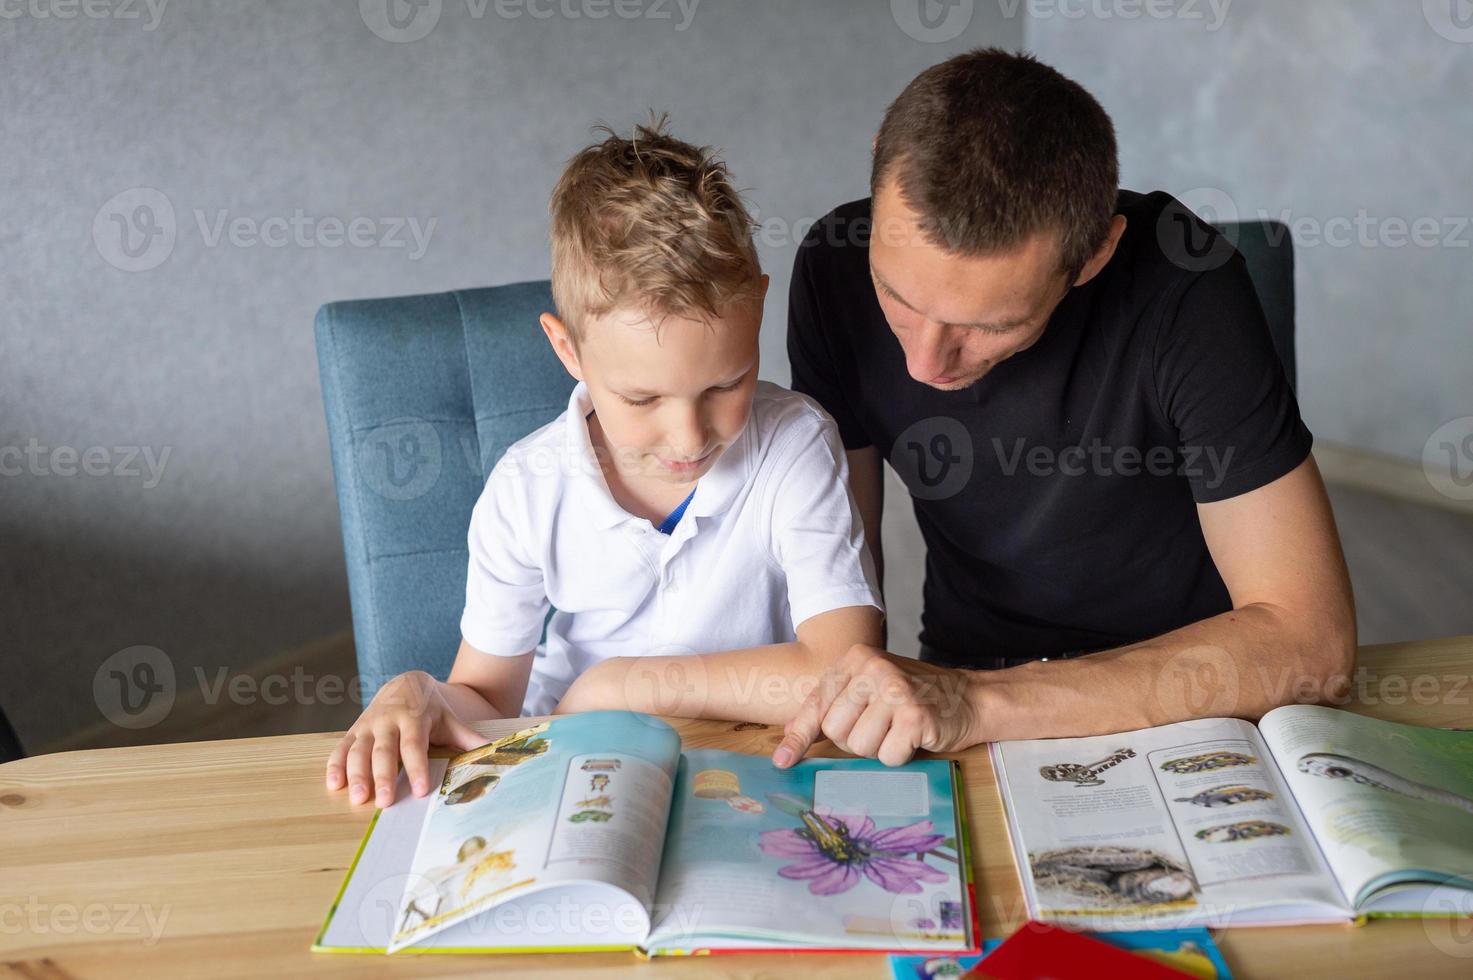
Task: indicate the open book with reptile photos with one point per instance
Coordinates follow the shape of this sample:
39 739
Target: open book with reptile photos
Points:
595 831
1315 815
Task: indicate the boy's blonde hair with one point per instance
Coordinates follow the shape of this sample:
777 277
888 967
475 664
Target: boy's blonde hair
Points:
650 223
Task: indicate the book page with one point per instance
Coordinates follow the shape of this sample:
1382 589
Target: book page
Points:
837 853
1387 802
575 799
1183 824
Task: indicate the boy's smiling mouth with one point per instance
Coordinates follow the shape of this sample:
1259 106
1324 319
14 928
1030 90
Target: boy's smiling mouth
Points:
684 466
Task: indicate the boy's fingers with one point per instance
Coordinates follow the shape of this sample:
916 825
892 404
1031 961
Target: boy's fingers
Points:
360 769
336 761
385 766
416 758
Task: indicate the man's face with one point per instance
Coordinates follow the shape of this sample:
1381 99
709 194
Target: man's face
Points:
956 316
669 406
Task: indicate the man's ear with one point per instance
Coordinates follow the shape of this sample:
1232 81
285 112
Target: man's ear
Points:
1104 253
562 343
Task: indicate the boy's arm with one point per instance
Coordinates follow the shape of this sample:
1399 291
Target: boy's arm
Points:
762 684
483 686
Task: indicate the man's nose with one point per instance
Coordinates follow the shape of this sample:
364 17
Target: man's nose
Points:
929 352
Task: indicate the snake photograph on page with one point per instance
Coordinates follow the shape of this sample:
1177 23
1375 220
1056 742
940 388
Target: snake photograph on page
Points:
1329 765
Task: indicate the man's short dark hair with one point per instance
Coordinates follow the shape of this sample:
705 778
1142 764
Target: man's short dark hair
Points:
991 147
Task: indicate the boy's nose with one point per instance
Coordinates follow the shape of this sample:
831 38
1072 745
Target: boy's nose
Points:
687 439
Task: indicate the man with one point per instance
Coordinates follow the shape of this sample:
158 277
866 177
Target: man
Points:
1104 453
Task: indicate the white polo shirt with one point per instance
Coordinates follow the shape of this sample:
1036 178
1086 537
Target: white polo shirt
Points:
770 539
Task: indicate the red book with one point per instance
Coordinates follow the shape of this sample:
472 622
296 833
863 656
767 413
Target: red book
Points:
1039 951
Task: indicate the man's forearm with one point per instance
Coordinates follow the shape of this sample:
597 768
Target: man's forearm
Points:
1238 664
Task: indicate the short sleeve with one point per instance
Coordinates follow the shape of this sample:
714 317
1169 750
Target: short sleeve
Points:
505 596
811 354
817 534
1221 384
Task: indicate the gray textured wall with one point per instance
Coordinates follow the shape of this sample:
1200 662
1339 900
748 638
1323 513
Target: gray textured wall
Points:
196 351
191 364
1350 120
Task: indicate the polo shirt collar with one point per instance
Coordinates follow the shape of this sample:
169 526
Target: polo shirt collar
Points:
715 491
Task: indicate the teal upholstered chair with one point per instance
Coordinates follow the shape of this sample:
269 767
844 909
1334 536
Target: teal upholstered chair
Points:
1268 248
10 747
423 395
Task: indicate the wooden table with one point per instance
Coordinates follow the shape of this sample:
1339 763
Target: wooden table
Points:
219 859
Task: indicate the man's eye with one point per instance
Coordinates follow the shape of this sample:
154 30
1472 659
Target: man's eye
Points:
637 404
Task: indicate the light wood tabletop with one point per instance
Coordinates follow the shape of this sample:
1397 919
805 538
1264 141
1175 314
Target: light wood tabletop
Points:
220 859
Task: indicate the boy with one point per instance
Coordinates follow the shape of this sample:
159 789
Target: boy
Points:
678 507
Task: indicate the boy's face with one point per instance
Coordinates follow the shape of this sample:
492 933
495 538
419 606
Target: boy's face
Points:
668 405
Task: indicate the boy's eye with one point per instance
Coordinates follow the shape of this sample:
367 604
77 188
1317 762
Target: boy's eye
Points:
651 400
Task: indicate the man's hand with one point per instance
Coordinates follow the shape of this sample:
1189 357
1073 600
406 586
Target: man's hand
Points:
873 703
407 715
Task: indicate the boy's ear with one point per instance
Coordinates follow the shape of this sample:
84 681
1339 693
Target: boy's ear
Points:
562 343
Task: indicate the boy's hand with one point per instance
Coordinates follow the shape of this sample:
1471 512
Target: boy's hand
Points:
404 718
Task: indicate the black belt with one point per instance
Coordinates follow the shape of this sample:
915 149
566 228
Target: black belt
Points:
945 658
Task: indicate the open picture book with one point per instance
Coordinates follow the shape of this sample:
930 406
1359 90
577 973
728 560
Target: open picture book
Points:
1315 815
594 831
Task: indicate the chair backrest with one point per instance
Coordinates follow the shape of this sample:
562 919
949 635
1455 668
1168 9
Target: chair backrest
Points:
423 395
10 747
1268 248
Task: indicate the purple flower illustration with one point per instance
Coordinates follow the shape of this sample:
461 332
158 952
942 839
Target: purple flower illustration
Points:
832 851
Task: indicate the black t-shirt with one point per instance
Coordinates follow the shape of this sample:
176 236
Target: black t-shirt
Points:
1057 495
